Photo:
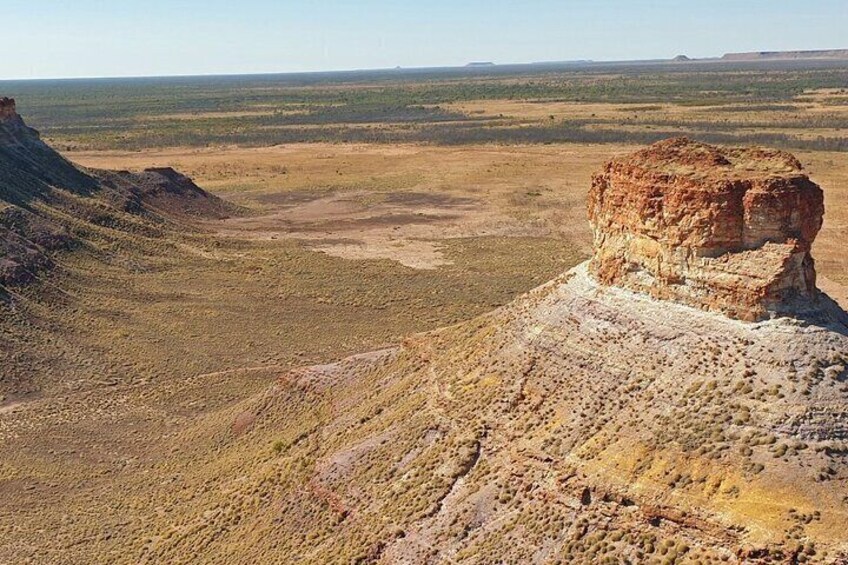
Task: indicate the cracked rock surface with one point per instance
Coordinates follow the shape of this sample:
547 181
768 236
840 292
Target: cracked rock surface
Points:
724 229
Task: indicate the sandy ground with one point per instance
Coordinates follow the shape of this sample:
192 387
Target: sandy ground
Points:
404 227
398 202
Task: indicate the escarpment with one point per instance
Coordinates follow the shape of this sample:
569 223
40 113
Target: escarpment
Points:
48 204
723 229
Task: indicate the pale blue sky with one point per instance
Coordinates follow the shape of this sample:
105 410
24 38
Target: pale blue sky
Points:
82 38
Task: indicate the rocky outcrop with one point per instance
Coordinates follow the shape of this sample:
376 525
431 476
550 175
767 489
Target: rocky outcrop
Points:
163 191
48 204
581 421
13 131
7 109
723 229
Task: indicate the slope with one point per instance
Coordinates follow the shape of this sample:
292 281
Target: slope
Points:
47 204
579 422
582 423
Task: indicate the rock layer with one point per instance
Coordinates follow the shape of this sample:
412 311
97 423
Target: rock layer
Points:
582 423
724 229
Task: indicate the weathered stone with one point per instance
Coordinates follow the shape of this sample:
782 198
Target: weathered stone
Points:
7 108
720 228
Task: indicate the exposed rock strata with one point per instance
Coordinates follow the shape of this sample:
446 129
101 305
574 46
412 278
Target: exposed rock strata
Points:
582 423
723 229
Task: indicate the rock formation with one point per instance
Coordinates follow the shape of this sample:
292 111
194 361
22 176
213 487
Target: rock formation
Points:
723 229
7 109
582 423
45 200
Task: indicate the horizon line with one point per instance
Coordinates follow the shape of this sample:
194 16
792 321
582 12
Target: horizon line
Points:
471 66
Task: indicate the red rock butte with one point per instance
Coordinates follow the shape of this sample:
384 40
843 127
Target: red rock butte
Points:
720 228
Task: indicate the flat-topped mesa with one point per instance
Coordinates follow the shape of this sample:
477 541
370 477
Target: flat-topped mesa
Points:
720 228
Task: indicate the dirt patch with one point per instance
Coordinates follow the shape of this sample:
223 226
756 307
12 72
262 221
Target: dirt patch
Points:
288 198
10 407
417 254
405 227
428 199
15 402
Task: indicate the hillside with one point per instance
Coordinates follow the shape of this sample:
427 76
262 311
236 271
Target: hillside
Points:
581 423
48 205
131 337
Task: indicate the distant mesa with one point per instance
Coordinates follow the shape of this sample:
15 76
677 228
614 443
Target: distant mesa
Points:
681 59
474 64
787 55
723 229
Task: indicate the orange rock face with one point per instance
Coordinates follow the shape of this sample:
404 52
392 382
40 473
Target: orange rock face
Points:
720 228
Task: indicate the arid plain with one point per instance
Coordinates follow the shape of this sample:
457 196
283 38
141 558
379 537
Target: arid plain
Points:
128 383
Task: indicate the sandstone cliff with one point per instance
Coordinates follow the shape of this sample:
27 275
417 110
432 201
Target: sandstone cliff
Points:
724 229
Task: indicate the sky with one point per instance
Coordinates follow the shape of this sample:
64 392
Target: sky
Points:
93 38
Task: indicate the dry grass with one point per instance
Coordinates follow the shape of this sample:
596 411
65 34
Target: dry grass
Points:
536 184
142 365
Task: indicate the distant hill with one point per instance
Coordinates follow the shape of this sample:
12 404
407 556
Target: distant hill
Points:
48 204
480 64
787 55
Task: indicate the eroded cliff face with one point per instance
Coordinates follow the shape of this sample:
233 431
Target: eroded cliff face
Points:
724 229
